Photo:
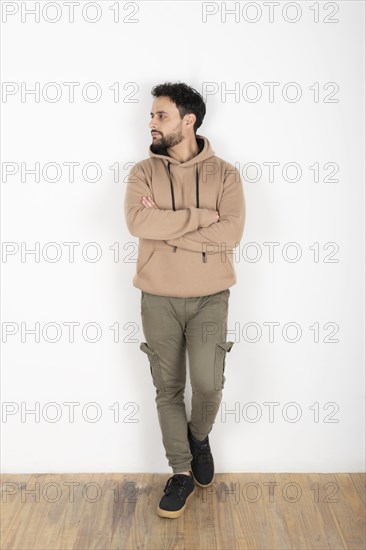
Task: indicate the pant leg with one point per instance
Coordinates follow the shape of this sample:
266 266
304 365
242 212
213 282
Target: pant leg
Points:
207 347
163 321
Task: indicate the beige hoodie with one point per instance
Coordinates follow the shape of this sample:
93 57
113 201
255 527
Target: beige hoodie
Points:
182 253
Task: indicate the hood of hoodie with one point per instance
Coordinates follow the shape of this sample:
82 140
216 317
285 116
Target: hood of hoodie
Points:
205 151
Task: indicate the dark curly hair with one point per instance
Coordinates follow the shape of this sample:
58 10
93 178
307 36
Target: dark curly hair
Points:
187 100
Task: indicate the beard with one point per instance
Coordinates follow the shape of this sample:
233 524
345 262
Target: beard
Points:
160 145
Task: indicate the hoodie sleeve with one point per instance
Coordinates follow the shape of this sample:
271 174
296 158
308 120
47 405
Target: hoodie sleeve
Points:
156 223
228 231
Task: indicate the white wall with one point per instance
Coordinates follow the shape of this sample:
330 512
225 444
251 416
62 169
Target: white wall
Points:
322 293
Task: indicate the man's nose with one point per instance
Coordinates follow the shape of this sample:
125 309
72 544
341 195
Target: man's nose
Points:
152 124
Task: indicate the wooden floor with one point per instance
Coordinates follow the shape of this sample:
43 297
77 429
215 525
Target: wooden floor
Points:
256 511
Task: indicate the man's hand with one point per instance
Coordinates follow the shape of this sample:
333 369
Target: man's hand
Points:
215 216
148 202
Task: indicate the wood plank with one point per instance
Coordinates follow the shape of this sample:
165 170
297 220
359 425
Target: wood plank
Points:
318 517
238 512
358 480
350 513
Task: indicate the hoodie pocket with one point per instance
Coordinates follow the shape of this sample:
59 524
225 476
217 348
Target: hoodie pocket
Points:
155 367
141 269
220 358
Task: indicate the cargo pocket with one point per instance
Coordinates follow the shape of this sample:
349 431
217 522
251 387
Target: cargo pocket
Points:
155 368
220 356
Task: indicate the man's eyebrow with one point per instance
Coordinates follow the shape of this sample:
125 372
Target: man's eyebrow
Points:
160 112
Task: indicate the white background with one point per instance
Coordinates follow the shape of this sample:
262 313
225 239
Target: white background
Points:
170 42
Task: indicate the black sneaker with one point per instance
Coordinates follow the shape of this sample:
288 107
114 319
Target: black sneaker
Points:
178 491
202 462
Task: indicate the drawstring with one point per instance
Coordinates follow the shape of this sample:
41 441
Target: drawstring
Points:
204 258
172 193
197 189
171 186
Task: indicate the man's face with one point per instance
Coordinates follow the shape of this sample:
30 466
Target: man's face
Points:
165 125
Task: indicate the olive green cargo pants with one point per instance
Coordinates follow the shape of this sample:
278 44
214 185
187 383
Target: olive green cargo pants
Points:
171 325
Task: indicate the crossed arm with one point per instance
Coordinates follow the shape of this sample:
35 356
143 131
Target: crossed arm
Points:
150 222
223 234
190 228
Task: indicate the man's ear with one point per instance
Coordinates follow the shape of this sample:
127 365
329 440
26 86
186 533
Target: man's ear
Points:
190 119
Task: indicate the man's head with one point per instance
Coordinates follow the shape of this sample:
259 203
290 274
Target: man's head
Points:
177 112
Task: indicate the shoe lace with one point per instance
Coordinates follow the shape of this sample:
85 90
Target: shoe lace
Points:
175 483
203 454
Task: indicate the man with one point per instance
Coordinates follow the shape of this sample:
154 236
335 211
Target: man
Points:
187 207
